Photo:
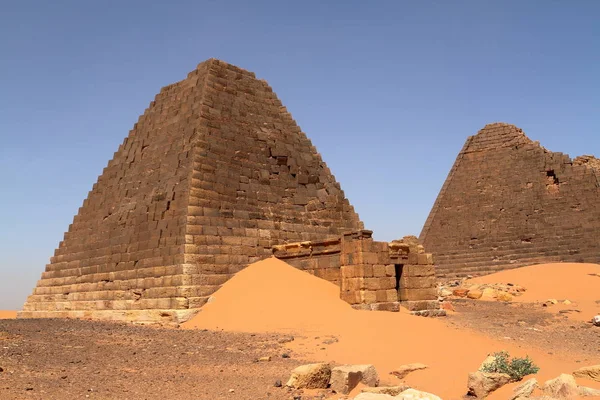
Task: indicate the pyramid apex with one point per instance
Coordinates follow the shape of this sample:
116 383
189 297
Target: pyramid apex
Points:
218 63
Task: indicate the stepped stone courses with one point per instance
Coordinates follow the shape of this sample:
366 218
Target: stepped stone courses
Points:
508 202
213 174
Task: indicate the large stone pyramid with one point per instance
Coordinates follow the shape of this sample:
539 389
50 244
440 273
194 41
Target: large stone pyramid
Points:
508 202
213 174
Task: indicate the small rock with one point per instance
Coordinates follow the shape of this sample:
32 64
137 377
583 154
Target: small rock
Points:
592 372
552 301
404 370
504 296
310 376
264 359
411 394
278 384
563 387
1 369
330 341
481 384
285 355
489 293
346 377
525 389
460 292
446 305
596 320
231 390
390 390
567 302
445 293
474 294
285 339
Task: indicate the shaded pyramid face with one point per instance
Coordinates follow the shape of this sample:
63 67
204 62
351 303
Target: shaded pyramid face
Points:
213 174
508 202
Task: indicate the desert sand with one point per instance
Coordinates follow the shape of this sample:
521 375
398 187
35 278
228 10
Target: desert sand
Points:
272 296
6 314
577 283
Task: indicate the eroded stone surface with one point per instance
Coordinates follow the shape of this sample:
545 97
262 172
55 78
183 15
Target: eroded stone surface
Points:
525 389
346 377
481 384
591 372
310 376
213 174
493 210
562 387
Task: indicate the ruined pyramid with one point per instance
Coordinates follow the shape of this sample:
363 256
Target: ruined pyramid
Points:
213 174
509 202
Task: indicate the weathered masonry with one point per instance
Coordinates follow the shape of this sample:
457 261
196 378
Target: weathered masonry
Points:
213 174
508 202
372 275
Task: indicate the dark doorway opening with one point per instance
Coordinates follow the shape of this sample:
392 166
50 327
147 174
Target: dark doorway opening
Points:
398 270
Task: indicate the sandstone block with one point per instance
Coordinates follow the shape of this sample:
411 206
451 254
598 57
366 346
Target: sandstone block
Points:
524 390
310 376
591 372
345 378
474 294
562 387
481 384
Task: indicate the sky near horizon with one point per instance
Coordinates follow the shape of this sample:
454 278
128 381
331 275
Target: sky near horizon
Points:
388 91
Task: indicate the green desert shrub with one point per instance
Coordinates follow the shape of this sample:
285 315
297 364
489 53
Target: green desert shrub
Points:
516 368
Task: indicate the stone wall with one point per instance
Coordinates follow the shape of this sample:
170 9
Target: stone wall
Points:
372 275
508 202
213 174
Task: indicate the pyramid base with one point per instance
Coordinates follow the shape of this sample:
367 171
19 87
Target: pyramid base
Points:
143 317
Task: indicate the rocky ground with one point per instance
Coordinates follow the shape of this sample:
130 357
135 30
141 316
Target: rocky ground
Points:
67 359
530 325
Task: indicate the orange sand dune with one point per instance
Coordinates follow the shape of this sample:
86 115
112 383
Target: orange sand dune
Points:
5 314
272 296
578 283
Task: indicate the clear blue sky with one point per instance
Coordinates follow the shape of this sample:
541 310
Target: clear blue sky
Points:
388 91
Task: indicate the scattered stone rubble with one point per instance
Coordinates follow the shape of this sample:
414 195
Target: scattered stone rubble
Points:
343 379
481 384
463 288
